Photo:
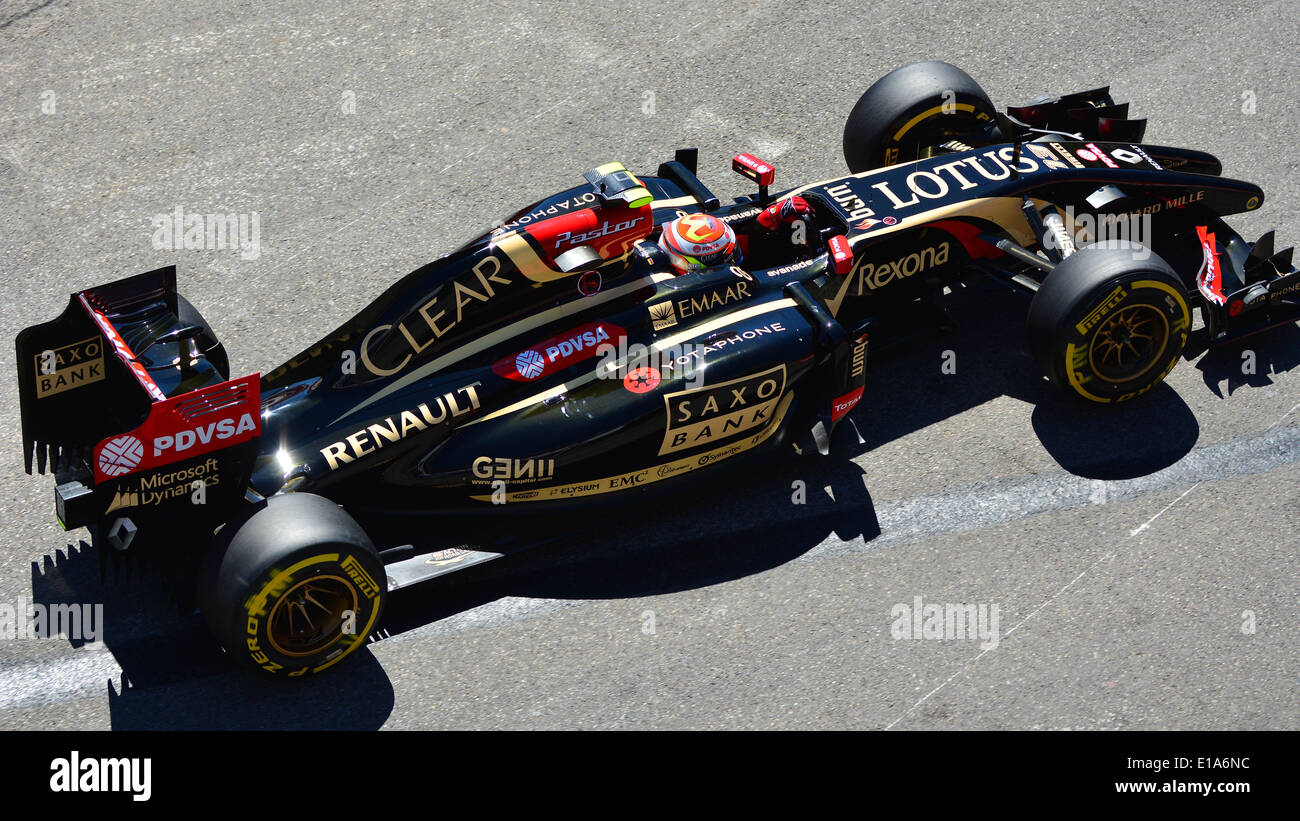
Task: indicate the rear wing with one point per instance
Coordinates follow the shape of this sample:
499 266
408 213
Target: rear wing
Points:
78 379
126 390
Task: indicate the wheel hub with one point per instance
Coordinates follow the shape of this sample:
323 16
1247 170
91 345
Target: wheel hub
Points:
309 616
1128 343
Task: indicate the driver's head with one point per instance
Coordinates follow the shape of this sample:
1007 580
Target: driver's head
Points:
698 241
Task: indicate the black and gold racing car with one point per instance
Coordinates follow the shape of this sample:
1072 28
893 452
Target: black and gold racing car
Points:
558 361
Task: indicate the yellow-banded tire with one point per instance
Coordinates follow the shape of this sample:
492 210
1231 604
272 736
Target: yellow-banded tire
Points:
1109 323
910 110
295 588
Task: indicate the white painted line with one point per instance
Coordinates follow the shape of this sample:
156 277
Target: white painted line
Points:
1280 418
85 672
1099 495
1135 531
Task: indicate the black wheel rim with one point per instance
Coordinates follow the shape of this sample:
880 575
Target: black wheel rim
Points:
1128 343
309 617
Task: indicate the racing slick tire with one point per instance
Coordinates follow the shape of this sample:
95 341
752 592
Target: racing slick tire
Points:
911 109
1109 322
295 588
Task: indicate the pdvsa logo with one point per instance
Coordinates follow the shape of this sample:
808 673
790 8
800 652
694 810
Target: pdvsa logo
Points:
120 455
177 428
203 435
530 364
559 352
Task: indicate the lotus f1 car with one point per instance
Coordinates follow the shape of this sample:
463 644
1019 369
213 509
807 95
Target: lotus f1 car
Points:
558 361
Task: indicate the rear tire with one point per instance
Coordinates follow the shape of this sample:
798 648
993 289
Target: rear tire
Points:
1109 323
913 108
296 588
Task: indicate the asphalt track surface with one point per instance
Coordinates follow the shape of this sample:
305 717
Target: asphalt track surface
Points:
1141 558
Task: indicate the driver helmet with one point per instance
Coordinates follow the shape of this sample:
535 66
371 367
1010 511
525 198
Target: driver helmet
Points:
698 241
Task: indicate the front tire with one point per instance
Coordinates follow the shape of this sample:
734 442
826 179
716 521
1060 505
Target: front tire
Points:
910 110
1109 323
295 589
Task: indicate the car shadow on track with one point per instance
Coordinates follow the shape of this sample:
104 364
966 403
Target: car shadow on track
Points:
174 676
987 358
1252 361
735 529
1116 441
717 528
358 696
746 521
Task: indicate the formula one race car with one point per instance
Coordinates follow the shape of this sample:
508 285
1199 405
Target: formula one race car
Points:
559 360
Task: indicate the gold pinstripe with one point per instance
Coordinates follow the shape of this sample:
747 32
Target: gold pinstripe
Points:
658 346
525 258
677 466
510 331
